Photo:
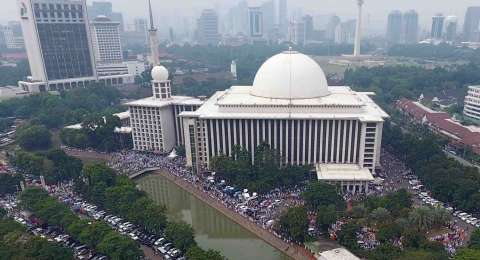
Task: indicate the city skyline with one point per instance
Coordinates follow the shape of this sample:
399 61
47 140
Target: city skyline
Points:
375 10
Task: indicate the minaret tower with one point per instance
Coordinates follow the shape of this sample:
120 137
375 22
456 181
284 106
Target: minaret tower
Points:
153 37
161 86
358 32
233 69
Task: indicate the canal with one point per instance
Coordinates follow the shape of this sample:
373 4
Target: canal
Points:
213 229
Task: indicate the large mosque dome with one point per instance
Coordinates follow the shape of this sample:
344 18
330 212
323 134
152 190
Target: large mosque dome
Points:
290 75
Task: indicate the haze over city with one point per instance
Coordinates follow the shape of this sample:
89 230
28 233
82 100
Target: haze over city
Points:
376 11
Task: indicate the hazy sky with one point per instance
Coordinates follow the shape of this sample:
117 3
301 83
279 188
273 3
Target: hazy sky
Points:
376 10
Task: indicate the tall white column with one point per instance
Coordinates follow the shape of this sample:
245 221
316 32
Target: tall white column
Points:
309 145
344 148
229 134
358 32
315 145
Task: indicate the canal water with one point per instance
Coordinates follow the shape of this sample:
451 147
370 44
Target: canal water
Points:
213 230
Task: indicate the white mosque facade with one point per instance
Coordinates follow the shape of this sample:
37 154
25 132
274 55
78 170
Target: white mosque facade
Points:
290 106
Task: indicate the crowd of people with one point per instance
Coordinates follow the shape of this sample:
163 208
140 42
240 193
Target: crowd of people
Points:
265 209
453 239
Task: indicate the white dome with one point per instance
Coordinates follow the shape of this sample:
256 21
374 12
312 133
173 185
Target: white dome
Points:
290 75
159 73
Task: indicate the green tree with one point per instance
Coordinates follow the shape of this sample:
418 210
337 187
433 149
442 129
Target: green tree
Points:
467 254
475 239
31 136
181 235
294 224
380 216
119 247
319 194
421 218
326 216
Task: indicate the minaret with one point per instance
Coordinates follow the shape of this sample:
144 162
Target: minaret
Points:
233 69
153 37
358 32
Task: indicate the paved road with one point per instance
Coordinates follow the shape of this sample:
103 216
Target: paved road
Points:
461 160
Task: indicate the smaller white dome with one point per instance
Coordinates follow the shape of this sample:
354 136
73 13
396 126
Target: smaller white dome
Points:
159 73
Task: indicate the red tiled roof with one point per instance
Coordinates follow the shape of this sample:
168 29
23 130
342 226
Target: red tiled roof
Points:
441 121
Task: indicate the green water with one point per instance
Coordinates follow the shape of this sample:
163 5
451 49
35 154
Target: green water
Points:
213 229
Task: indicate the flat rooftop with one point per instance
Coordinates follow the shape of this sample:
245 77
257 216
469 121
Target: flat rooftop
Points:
343 172
174 100
343 103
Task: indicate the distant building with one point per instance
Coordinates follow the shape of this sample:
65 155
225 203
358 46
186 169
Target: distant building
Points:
471 27
441 123
255 18
472 103
410 23
347 32
332 28
106 40
207 28
309 29
281 8
11 36
437 26
394 28
106 9
59 46
451 24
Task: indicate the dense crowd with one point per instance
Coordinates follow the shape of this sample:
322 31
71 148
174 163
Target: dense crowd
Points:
265 209
453 239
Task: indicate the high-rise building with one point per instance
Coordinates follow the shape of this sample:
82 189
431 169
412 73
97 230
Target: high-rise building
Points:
58 44
437 26
11 36
106 40
394 28
140 25
255 18
282 16
268 14
237 19
106 9
207 28
346 32
333 27
451 24
309 30
410 23
471 27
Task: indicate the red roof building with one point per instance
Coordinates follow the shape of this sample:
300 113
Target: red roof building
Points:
441 123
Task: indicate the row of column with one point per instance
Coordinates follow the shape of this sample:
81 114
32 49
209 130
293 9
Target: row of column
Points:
299 142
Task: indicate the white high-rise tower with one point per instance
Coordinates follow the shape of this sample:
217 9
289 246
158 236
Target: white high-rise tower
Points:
358 33
233 69
153 37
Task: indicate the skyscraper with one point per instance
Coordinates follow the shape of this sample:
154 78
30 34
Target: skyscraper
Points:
451 23
308 22
255 18
58 44
282 16
268 14
410 23
471 27
106 40
106 9
11 36
394 27
207 28
333 27
437 26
